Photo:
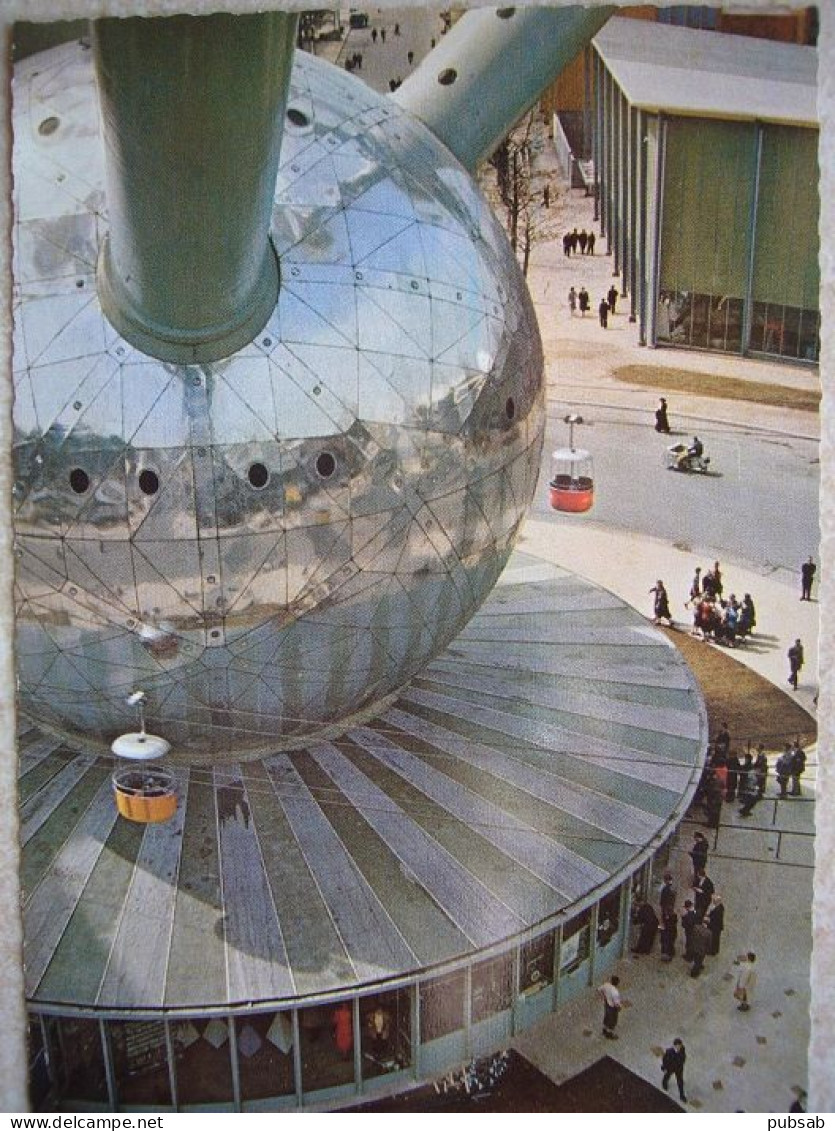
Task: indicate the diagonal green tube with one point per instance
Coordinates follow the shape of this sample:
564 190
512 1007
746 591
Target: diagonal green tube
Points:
192 113
490 68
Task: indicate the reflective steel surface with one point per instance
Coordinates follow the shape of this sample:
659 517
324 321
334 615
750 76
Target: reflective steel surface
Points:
272 544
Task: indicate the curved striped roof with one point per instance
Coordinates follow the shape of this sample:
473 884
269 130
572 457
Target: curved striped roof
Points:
523 772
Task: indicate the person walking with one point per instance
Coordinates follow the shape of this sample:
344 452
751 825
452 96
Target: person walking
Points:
746 981
669 932
761 770
575 240
795 654
661 604
733 776
700 940
566 244
572 301
807 576
672 1064
590 243
698 854
667 895
703 890
662 424
612 297
718 585
373 35
647 921
783 769
716 923
722 742
582 240
603 313
583 301
410 57
694 596
798 766
611 1006
746 790
688 922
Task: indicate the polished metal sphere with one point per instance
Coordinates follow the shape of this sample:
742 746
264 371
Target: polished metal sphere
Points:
272 544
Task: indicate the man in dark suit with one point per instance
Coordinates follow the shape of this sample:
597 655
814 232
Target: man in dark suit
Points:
807 576
672 1064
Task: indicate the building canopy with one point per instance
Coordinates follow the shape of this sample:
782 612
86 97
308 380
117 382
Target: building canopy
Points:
677 70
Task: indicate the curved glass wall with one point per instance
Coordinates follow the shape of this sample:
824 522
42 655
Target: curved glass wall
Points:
323 1054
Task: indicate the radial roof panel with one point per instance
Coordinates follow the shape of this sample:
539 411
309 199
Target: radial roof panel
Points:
525 772
707 74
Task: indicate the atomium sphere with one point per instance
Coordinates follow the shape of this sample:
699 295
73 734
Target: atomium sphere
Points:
272 544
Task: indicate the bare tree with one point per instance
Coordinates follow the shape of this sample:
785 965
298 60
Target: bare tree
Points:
518 194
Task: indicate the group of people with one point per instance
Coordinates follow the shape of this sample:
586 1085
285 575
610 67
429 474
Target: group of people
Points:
702 919
584 241
715 618
702 922
736 777
579 300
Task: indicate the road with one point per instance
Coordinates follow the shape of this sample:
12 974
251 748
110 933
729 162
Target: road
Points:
759 507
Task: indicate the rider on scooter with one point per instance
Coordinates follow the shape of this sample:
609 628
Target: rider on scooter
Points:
694 452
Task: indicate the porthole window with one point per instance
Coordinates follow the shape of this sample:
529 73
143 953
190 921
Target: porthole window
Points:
258 475
510 408
48 126
325 465
148 482
448 76
297 117
79 480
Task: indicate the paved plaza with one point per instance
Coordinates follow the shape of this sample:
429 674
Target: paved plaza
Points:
764 868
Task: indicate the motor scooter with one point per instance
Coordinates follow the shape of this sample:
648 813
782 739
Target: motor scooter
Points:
678 457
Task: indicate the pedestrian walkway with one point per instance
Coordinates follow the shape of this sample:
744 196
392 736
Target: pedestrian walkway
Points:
762 866
628 565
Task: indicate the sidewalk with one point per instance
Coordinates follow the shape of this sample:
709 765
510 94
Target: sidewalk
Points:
764 869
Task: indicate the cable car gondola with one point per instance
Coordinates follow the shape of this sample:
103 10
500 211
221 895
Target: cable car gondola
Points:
571 488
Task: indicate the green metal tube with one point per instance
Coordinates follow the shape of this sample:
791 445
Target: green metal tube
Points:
192 115
489 69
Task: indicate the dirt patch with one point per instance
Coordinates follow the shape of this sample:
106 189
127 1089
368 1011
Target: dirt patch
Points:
754 709
713 385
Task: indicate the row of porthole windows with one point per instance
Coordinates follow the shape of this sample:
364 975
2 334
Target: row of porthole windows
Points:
257 474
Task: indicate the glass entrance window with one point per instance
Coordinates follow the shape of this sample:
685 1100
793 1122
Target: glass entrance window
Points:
140 1062
76 1044
202 1060
785 331
386 1033
575 947
492 987
699 321
442 1006
608 917
537 957
265 1055
39 1082
327 1046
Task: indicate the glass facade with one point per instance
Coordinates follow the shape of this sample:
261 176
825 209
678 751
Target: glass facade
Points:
386 1033
265 1055
724 251
250 1061
715 250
